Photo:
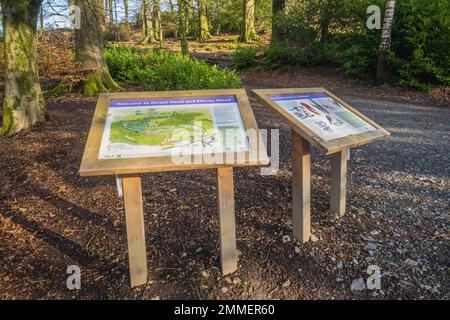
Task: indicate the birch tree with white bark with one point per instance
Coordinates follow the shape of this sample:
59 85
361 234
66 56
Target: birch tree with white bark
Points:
383 70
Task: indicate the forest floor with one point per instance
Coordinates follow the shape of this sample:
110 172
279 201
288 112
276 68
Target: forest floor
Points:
398 213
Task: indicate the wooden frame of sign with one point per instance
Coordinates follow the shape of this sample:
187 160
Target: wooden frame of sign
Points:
302 137
128 170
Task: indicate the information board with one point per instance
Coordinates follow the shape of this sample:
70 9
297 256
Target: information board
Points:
154 127
139 132
323 115
322 118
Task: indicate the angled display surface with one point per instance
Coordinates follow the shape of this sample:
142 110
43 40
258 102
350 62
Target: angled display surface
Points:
140 132
323 119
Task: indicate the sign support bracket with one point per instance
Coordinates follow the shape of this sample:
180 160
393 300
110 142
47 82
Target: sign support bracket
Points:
339 181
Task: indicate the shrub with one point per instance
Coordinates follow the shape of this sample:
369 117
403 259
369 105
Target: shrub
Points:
154 69
421 41
225 16
358 55
317 31
307 28
244 57
277 54
117 33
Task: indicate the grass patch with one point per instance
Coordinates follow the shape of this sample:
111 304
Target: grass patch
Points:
155 69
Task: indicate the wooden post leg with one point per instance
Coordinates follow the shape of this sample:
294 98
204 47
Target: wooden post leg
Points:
225 198
338 181
134 214
301 187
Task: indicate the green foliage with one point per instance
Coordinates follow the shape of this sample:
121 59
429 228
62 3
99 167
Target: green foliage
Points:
317 31
357 47
244 57
62 88
307 29
421 43
154 69
277 54
226 16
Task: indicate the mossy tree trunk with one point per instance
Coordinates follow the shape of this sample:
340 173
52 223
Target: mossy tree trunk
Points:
148 22
89 49
23 102
383 70
157 22
182 27
203 26
277 8
248 32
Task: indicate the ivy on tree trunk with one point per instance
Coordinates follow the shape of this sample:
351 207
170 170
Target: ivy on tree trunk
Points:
89 49
23 102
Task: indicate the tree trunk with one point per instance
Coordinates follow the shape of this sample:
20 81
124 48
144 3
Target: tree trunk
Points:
157 22
105 14
325 20
89 49
125 5
203 27
148 23
277 7
248 32
116 18
190 15
23 102
171 6
111 13
383 70
182 26
41 19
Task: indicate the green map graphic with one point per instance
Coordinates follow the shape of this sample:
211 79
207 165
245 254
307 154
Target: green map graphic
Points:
163 128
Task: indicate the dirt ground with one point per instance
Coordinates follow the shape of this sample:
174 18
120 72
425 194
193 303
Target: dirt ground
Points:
397 218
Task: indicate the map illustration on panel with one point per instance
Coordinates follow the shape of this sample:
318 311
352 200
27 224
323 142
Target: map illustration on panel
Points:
151 127
323 115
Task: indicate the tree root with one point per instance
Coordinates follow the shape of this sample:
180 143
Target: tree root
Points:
99 81
62 88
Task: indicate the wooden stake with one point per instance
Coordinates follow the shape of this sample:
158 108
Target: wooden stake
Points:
225 199
339 181
301 187
119 186
134 214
